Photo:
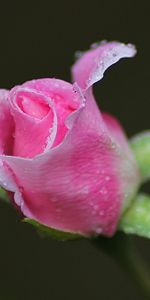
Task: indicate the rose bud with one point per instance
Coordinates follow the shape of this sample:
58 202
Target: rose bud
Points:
68 165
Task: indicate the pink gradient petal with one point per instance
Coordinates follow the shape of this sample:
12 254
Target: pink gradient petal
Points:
76 186
7 179
71 168
64 98
129 170
6 124
32 131
34 108
117 132
40 108
91 66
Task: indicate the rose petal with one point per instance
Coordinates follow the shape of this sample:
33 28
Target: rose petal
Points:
117 132
64 98
6 124
76 186
7 180
129 169
91 66
35 121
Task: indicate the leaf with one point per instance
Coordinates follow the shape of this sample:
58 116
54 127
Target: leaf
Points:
136 220
51 232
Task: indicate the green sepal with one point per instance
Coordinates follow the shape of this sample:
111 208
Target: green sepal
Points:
3 195
140 145
51 232
136 220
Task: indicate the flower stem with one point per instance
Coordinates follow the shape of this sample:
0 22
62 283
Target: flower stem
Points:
122 249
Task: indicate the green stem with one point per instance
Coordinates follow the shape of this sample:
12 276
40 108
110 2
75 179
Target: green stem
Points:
123 251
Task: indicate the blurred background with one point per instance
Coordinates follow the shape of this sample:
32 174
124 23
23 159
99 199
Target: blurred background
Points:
39 39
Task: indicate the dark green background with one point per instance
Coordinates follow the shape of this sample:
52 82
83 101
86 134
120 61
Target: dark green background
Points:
38 39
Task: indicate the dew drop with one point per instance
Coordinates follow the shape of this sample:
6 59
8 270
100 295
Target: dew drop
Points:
21 204
103 42
101 213
2 116
97 44
85 190
96 207
94 45
78 54
103 191
130 45
56 84
53 199
126 195
98 172
114 54
98 230
113 146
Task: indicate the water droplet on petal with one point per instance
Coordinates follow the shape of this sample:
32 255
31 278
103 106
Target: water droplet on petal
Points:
96 207
53 199
78 54
130 45
91 203
98 230
113 146
103 191
101 213
85 190
97 44
103 42
114 54
94 45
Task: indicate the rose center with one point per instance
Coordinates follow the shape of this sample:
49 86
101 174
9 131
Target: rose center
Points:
32 107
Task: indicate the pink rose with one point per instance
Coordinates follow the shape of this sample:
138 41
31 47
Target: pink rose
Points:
68 165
